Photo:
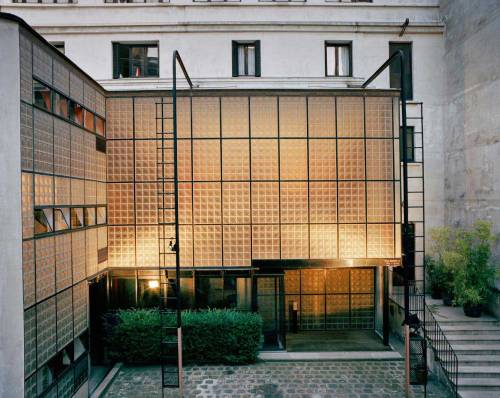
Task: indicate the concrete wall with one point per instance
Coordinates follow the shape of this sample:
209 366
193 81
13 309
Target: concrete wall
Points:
11 282
472 118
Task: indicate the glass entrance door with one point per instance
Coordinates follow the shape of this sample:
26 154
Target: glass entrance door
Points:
269 303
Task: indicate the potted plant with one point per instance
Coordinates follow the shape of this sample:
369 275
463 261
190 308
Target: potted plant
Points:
474 280
435 277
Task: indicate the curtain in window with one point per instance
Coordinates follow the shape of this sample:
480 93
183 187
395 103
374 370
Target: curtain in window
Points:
241 60
251 60
343 64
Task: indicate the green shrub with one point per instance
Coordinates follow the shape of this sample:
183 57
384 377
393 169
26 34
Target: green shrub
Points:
209 336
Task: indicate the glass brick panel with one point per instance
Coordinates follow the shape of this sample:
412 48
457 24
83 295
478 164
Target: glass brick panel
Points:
312 281
145 159
264 116
236 202
338 280
379 155
121 247
293 159
322 159
78 255
183 117
362 280
43 141
323 202
265 202
101 193
61 77
352 203
266 241
100 166
146 204
76 87
42 63
90 192
206 119
321 116
235 160
292 281
64 318
46 330
293 116
312 311
29 341
91 250
351 160
362 311
77 152
184 160
120 155
89 97
120 203
119 118
44 190
29 272
26 137
145 117
323 241
294 241
77 192
350 117
27 202
62 147
147 246
45 267
207 203
337 312
207 245
90 156
65 385
265 159
352 241
63 261
380 202
62 190
26 67
379 117
294 202
80 292
234 116
206 160
100 104
186 245
381 240
185 203
237 245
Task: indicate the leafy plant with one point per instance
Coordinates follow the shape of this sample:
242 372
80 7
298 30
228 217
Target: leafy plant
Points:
209 336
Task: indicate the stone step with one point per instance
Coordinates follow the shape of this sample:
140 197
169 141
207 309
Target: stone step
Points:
476 349
478 383
478 371
472 339
479 360
473 393
470 329
465 322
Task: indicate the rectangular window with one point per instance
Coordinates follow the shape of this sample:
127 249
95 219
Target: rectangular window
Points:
100 126
89 121
42 95
246 58
395 68
77 217
61 218
89 215
76 113
338 58
410 143
135 60
61 105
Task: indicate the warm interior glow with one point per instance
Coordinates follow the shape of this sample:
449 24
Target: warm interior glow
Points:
153 284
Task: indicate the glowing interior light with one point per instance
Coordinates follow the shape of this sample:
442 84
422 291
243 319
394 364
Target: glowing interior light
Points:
153 284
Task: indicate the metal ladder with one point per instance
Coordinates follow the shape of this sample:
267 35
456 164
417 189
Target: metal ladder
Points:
168 256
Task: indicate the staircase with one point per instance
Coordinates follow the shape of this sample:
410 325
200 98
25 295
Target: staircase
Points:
476 342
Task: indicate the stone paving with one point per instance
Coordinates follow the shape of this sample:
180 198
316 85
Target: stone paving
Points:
318 379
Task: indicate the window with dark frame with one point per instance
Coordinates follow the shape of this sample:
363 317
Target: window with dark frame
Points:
135 60
410 143
246 58
42 95
59 45
395 68
338 58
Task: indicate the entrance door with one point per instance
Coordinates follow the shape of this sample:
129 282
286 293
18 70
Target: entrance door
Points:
269 302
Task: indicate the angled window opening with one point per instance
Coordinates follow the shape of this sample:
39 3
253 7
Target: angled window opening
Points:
89 216
77 217
44 221
61 105
62 218
42 95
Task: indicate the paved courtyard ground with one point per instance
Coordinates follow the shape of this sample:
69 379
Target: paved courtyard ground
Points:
318 379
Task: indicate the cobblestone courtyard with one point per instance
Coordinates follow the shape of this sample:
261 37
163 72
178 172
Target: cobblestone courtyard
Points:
340 379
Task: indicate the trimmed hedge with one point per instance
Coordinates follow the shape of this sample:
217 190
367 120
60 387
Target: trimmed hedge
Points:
209 336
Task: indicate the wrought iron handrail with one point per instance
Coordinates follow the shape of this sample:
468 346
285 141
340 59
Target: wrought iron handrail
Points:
441 347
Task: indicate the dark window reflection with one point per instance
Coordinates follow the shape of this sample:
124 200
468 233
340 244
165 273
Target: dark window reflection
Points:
42 95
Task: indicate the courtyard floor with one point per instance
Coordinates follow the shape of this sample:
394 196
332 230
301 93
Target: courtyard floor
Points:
318 379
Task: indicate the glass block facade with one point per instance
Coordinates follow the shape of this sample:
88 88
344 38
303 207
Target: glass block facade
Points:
261 177
63 188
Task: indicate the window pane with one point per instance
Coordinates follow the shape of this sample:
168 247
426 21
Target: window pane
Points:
137 60
42 95
89 120
76 217
61 218
61 105
76 113
100 126
43 221
241 60
89 214
343 60
251 60
330 61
